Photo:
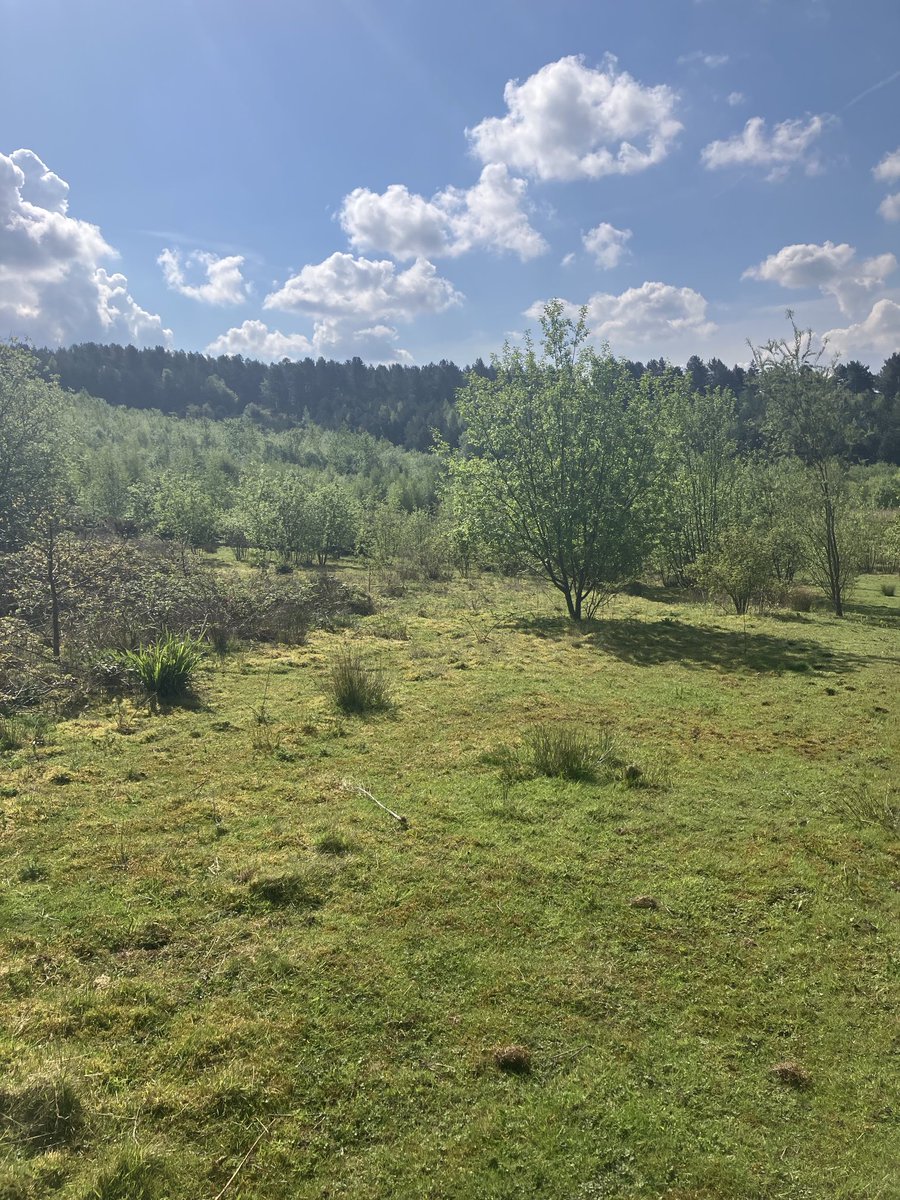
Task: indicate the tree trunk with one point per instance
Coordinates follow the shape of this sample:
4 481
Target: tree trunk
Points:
54 590
834 559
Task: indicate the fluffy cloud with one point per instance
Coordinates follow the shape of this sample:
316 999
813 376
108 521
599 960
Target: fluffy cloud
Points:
650 313
224 282
362 289
339 340
890 207
53 288
607 244
708 60
733 99
331 339
570 121
254 339
833 269
788 145
888 170
878 334
453 221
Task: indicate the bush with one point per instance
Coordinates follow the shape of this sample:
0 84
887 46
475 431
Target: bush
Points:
356 687
165 668
888 589
800 599
565 753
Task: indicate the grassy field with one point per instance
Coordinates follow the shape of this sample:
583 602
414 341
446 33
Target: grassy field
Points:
228 972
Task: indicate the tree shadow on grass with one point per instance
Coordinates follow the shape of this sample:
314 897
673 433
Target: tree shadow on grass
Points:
874 614
651 643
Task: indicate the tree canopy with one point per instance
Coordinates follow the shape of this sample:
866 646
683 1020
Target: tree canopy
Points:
563 453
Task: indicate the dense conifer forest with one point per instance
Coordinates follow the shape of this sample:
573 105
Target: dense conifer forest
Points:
406 404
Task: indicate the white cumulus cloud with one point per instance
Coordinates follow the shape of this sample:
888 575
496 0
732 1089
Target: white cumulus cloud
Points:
402 223
888 170
365 289
332 338
651 313
890 207
53 286
224 281
878 334
733 99
833 269
254 339
571 121
607 244
789 144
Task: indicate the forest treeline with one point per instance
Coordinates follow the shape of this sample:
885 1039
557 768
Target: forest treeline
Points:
406 404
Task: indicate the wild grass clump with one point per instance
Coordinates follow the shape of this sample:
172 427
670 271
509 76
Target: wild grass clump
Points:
888 589
874 804
17 732
165 668
564 752
46 1113
358 687
131 1173
12 734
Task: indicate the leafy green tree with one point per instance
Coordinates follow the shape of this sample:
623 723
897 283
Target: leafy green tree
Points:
564 450
272 512
183 510
739 564
807 417
332 519
31 409
701 485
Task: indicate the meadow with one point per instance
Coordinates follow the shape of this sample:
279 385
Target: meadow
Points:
228 971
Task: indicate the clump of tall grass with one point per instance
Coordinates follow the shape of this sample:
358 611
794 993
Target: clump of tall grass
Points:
12 734
131 1173
358 687
16 732
565 752
165 668
874 804
888 589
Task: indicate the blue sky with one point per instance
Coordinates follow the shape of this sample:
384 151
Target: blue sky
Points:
408 181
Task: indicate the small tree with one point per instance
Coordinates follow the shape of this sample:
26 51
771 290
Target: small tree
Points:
740 565
806 416
31 408
563 451
183 510
333 520
701 485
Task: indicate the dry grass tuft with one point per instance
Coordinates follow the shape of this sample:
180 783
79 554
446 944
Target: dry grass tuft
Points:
512 1060
791 1074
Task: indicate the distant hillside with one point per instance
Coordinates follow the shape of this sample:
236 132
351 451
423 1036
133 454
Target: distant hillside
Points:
403 404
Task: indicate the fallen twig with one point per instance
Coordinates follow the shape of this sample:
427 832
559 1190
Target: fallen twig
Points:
234 1173
349 786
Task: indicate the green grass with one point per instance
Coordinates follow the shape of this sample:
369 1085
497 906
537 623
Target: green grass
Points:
239 963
